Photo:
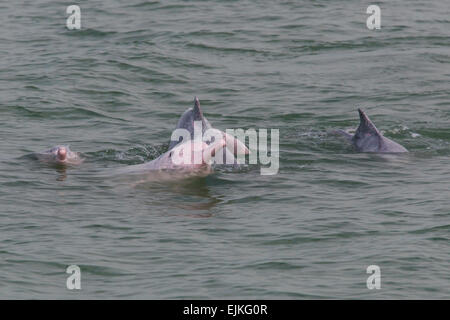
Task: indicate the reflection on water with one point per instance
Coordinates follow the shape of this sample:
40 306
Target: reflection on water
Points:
62 173
192 194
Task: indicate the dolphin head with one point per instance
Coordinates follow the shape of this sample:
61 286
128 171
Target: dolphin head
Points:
367 137
60 154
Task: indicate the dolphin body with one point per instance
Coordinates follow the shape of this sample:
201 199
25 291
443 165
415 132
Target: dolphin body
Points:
185 159
194 114
192 157
368 138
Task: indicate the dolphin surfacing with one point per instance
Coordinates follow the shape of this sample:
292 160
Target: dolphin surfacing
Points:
186 159
234 146
368 138
59 155
193 157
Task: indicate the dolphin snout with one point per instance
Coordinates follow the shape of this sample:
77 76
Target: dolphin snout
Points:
62 153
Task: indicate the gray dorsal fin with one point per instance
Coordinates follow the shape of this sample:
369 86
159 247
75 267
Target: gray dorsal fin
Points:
187 120
367 128
365 125
198 114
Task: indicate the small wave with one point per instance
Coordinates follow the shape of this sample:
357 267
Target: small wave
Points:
94 33
134 155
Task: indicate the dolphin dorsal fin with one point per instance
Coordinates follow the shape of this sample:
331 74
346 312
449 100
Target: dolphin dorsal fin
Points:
198 114
366 126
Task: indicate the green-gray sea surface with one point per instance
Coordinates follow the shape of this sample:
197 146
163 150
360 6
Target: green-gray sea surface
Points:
114 91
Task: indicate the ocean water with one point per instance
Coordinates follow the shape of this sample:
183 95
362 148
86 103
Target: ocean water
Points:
114 91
